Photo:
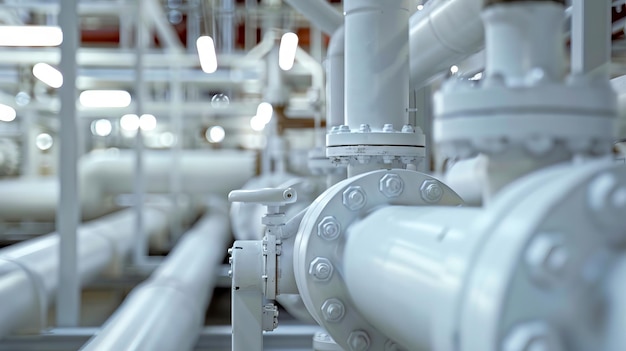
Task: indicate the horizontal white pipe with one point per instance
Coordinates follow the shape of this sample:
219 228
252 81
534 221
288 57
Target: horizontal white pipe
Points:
444 33
167 311
468 179
320 13
29 270
103 176
403 281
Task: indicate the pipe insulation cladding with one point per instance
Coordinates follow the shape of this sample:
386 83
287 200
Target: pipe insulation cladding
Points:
29 270
166 312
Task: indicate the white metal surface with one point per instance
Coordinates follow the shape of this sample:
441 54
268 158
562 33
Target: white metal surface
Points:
30 279
106 175
441 35
320 13
335 78
376 70
166 312
318 247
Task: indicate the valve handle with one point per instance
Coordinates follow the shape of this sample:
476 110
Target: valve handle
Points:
266 196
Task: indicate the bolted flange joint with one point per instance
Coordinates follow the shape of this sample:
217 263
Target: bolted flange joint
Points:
359 341
354 198
431 191
391 185
333 310
321 269
329 228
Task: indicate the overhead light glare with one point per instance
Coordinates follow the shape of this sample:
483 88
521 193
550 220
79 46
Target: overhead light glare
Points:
129 122
101 127
420 7
7 113
48 74
206 54
147 122
257 124
215 134
264 112
30 36
454 69
44 141
105 98
287 51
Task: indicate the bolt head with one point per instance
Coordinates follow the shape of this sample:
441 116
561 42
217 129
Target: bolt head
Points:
431 191
333 310
365 128
547 257
388 128
391 185
343 129
329 228
407 128
358 340
321 269
390 345
606 197
354 198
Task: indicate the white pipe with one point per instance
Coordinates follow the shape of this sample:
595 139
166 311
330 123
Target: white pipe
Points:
468 179
616 338
444 33
167 311
28 270
321 14
377 66
335 61
417 265
103 176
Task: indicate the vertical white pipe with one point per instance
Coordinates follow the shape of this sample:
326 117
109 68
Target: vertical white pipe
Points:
141 243
335 78
320 13
68 214
377 63
417 265
525 38
591 37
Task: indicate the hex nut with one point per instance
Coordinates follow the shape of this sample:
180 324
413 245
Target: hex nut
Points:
390 345
547 257
391 185
321 269
431 191
354 198
329 228
333 310
358 340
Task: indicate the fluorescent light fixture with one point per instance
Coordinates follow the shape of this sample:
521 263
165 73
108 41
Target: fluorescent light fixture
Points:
147 122
454 69
30 36
167 139
257 124
264 112
206 53
215 134
7 113
105 98
101 127
48 74
129 122
44 141
287 51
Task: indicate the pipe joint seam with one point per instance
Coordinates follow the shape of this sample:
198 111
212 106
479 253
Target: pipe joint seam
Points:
39 289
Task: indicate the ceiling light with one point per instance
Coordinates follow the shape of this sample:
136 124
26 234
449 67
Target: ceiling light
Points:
147 122
44 141
454 69
129 122
105 98
206 54
264 112
257 124
287 51
215 134
7 113
30 36
48 74
420 7
101 127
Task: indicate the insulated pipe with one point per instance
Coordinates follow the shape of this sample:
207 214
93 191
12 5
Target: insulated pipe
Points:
335 61
105 175
417 267
321 14
167 311
442 34
28 270
377 63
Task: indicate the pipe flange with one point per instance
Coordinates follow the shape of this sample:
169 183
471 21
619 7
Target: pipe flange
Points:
540 266
378 188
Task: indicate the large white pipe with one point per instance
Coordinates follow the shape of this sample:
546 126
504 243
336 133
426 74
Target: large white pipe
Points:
29 270
103 176
321 14
335 61
403 282
377 63
167 311
445 32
